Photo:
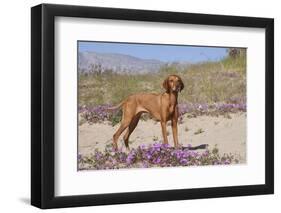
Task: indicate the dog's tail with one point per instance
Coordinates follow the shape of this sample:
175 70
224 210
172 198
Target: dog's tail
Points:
115 107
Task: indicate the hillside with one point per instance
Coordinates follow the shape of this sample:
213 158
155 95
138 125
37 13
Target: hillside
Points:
208 82
90 62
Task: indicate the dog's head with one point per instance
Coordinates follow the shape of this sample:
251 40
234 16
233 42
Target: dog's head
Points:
173 83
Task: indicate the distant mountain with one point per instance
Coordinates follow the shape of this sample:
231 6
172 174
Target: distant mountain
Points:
119 63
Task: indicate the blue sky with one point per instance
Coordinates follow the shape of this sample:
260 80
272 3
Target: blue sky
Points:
166 53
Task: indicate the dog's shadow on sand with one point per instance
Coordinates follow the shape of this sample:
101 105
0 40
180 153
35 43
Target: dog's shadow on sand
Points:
202 146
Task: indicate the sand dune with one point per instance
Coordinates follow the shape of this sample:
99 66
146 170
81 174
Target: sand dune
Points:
228 134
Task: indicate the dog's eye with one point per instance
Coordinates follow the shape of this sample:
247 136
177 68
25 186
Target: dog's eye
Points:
171 80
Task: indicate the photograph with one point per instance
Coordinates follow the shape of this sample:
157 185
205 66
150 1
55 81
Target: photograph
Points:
160 105
182 98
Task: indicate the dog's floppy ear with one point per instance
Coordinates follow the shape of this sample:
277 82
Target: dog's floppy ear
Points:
166 84
181 85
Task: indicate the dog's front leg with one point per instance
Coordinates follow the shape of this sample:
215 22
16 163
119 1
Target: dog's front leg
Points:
164 131
175 127
175 131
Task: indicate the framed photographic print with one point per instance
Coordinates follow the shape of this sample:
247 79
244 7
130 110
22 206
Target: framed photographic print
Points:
184 100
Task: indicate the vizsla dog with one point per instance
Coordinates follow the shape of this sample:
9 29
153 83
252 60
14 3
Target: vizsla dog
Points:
163 107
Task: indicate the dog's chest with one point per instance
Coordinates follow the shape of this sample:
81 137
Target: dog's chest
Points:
172 109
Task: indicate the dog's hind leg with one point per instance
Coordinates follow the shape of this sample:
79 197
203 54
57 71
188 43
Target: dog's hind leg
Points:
127 117
130 129
117 134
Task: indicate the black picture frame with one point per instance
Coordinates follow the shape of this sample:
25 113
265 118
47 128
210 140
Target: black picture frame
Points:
43 102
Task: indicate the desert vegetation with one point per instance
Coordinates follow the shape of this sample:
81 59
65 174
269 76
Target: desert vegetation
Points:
153 155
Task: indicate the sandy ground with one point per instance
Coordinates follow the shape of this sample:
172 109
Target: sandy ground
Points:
228 134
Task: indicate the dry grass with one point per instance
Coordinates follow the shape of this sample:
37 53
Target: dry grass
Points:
208 82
